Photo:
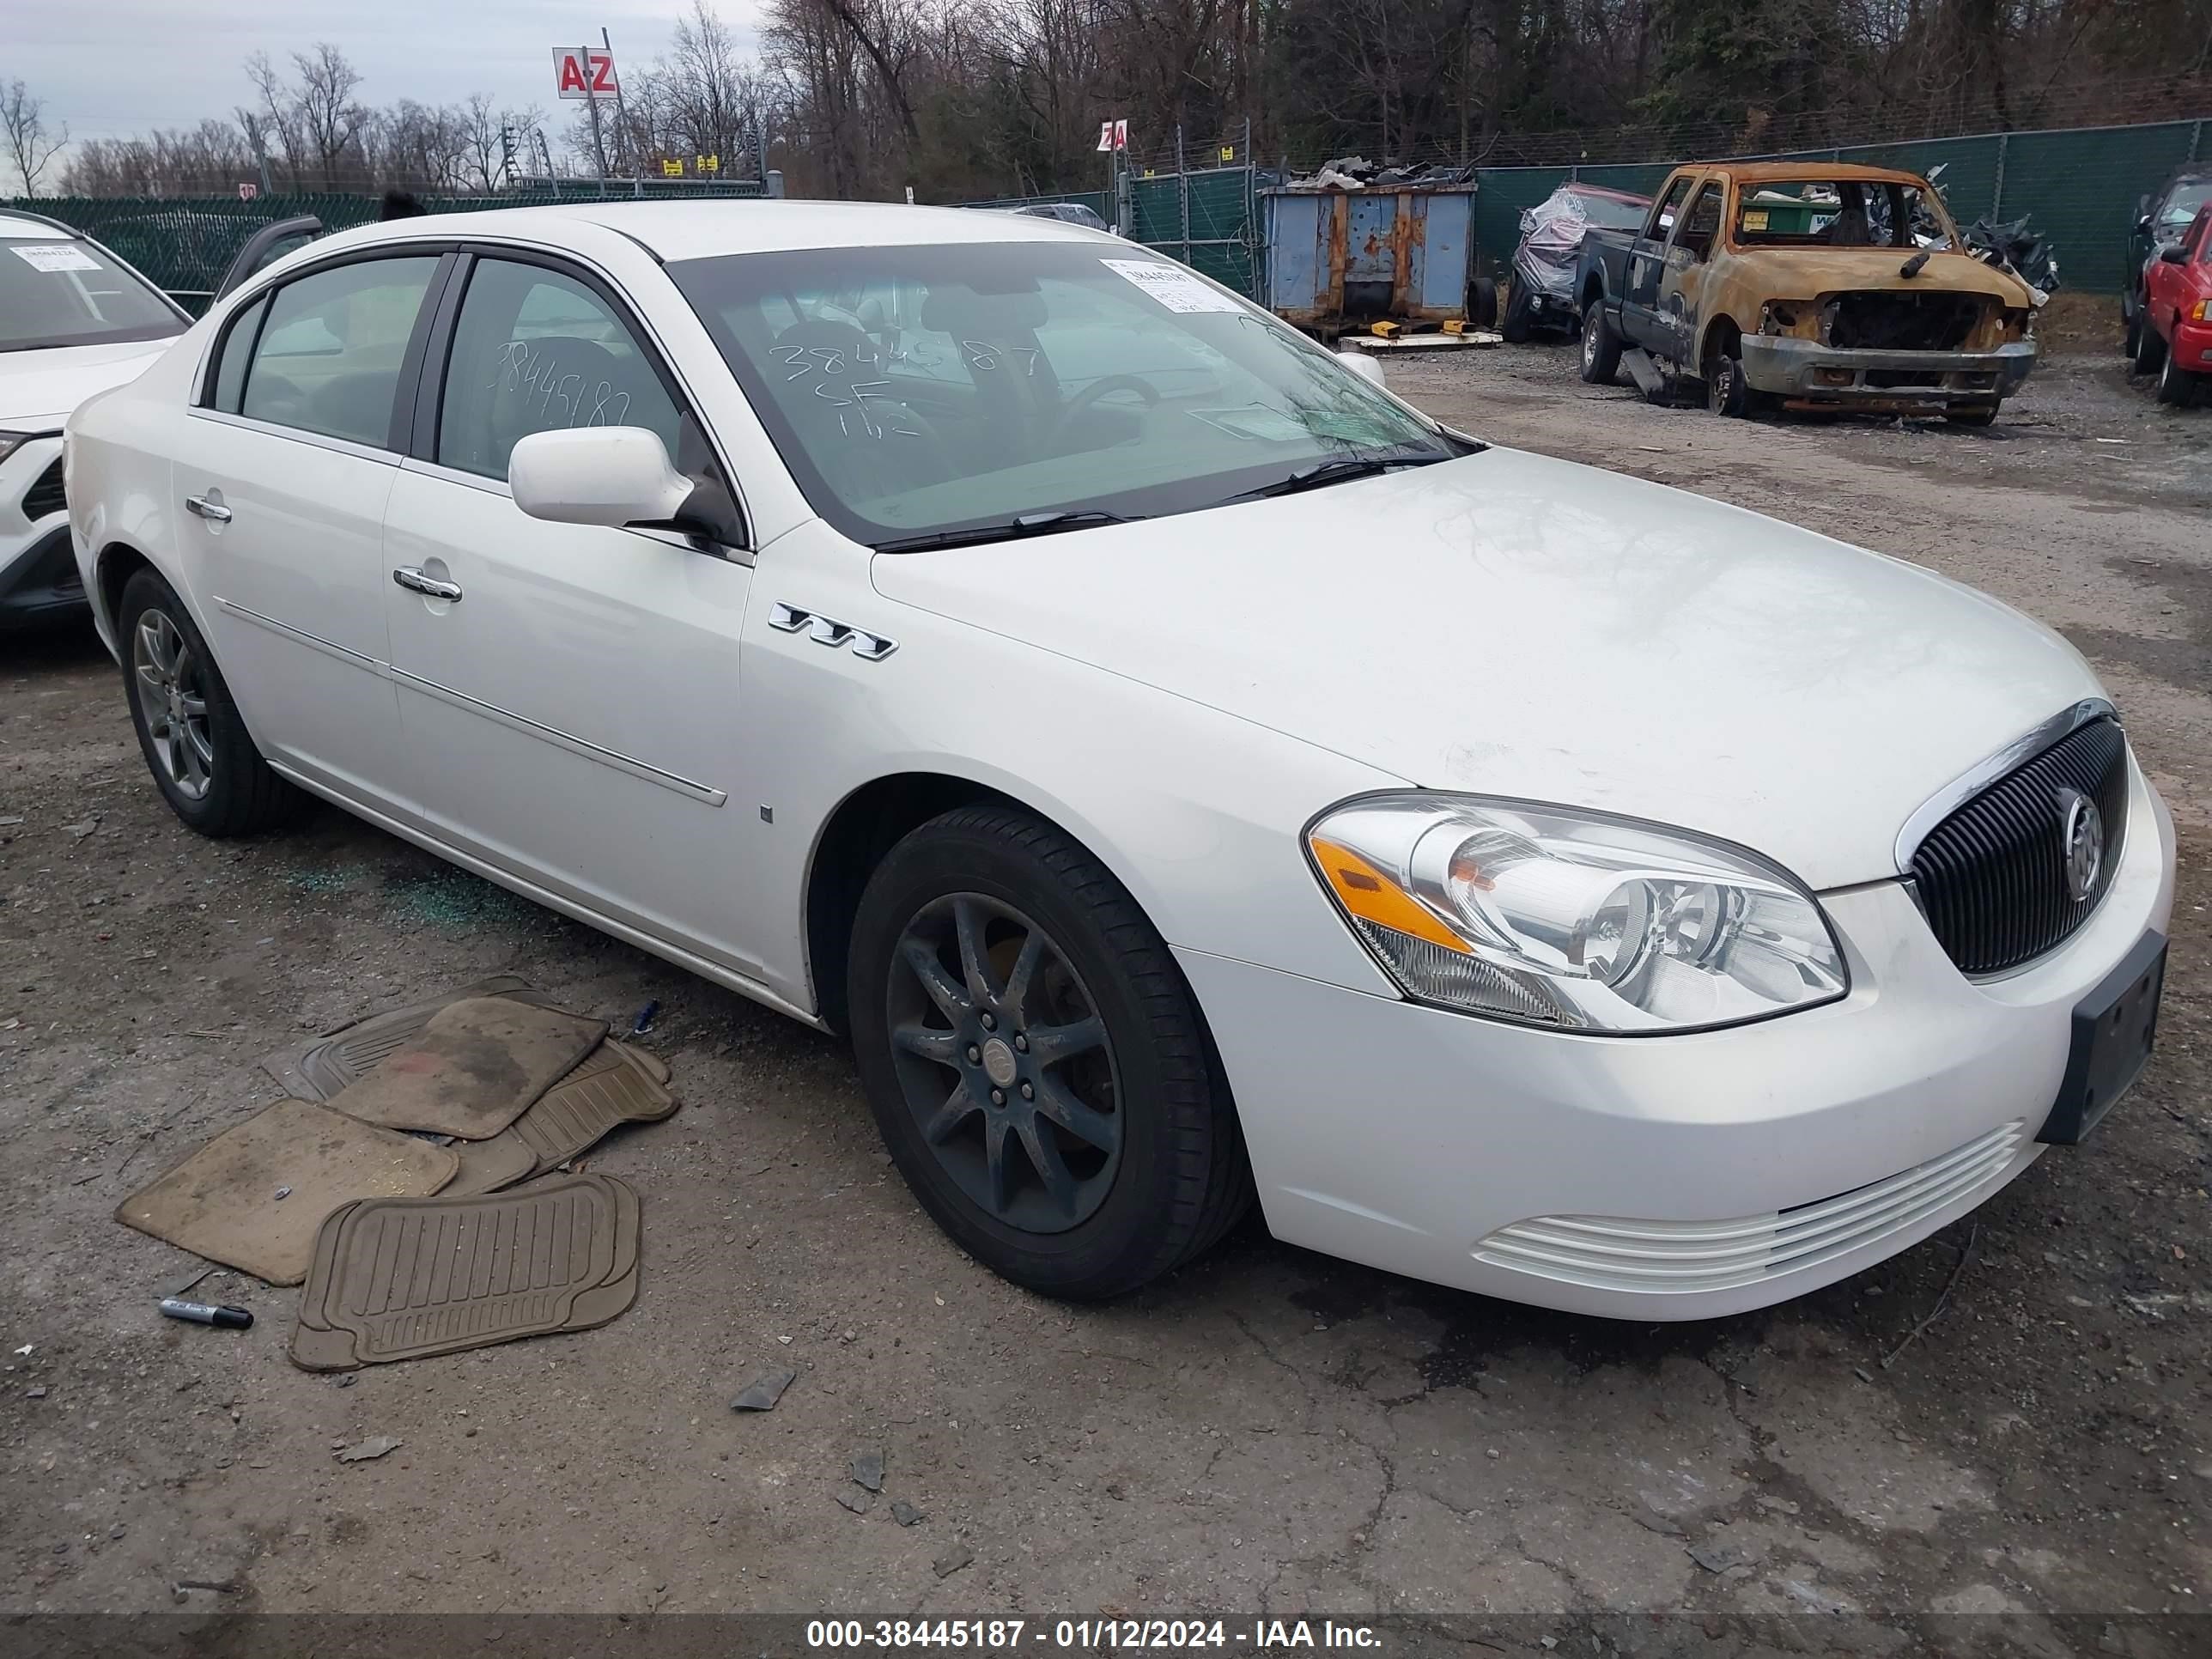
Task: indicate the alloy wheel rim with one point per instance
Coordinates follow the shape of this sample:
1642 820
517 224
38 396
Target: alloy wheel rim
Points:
1005 1063
1589 342
173 702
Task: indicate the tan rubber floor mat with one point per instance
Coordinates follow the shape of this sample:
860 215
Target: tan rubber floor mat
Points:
221 1202
397 1279
615 1087
488 1165
475 1066
318 1069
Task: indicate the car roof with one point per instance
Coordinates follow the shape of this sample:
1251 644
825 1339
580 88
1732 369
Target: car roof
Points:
21 227
703 229
1577 187
1756 172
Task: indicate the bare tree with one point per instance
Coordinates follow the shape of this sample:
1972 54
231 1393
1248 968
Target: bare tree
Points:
30 146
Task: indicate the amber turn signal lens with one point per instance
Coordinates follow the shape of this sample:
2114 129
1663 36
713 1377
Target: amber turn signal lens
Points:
1370 894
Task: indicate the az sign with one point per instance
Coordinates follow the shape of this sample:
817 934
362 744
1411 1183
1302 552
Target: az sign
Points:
581 72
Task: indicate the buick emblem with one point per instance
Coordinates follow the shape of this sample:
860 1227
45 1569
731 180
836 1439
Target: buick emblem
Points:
2081 843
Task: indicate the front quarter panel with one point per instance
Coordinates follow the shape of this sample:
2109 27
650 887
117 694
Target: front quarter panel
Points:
1197 812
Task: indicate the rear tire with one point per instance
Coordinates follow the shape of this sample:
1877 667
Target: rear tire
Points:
1074 1218
194 741
2177 387
1601 347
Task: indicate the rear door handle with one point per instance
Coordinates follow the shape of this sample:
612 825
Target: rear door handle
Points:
214 512
410 577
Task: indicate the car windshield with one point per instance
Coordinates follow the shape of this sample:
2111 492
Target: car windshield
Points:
61 292
2181 206
921 389
1837 213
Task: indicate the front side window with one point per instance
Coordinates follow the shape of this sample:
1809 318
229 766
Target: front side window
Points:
59 291
1664 209
331 348
1703 222
916 389
535 350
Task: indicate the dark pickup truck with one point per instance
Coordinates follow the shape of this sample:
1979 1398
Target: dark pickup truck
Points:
1809 285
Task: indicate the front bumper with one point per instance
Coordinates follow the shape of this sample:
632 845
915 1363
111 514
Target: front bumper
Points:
1724 1169
1806 371
2191 347
39 578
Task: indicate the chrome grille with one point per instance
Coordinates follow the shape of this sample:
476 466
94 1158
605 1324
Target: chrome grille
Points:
1991 877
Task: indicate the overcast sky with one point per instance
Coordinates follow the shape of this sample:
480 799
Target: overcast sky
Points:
112 68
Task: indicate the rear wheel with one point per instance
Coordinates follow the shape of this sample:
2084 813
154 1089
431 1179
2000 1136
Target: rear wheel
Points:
1601 346
2133 338
2177 386
194 739
1035 1061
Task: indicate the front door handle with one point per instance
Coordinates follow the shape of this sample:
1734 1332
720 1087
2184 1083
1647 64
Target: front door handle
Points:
410 577
213 511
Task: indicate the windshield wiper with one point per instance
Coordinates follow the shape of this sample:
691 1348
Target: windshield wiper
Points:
1341 470
1029 524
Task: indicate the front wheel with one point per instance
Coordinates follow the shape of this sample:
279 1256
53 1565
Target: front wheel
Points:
2177 386
1986 414
194 739
1035 1061
2151 349
1601 346
1726 392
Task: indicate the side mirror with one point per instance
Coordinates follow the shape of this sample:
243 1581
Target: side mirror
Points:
2173 253
1360 363
604 475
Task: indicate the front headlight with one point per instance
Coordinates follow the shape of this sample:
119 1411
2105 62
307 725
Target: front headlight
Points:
1572 920
10 441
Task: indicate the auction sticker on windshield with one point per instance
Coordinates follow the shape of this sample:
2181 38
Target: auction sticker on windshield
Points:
1176 288
55 256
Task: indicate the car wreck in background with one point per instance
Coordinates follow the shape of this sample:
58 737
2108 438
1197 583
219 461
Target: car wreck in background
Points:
1812 286
1541 298
2161 221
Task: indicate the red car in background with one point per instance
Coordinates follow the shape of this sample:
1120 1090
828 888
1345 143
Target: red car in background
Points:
2176 340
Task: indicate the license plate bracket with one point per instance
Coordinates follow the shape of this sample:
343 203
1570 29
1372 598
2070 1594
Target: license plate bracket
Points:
2114 1028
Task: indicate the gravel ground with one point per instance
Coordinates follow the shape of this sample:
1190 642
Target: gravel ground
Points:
1271 1431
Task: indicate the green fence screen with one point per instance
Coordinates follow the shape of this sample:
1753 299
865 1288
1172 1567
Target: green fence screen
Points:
183 244
2078 188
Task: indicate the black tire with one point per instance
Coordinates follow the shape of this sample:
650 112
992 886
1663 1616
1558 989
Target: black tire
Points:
239 794
2177 387
1482 302
2131 340
1178 1180
1726 392
2150 350
1984 415
1601 346
1520 316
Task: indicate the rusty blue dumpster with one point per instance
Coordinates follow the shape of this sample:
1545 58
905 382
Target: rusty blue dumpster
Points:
1338 257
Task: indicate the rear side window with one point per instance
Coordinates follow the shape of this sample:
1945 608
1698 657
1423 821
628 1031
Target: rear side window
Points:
1704 220
329 356
1664 209
237 352
535 350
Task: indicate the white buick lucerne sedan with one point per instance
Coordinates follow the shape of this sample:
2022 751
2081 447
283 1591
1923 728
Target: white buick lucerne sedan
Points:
1185 772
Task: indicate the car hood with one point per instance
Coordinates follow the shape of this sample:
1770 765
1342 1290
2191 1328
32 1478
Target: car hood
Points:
1804 273
38 387
1511 625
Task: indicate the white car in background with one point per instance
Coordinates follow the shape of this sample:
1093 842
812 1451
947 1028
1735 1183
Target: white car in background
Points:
74 320
1181 768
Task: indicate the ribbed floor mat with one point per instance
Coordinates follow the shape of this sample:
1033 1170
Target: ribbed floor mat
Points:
317 1070
475 1066
253 1197
615 1085
400 1279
